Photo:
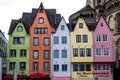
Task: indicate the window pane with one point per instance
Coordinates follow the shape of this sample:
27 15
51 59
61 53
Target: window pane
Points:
64 40
35 54
46 41
80 25
35 65
88 52
82 52
98 52
64 53
56 40
82 67
64 67
23 53
36 41
56 53
88 67
22 65
75 52
46 65
105 67
85 38
78 38
46 54
62 27
97 67
75 67
105 38
13 53
106 52
56 67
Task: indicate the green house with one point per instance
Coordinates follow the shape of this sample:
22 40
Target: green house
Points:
18 47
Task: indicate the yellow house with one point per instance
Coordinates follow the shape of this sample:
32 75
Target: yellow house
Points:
81 51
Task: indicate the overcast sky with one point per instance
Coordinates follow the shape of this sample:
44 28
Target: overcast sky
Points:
13 9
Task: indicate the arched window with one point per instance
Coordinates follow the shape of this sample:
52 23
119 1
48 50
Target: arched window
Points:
118 22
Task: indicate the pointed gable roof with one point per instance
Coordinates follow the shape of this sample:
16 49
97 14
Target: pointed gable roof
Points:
104 21
28 18
86 8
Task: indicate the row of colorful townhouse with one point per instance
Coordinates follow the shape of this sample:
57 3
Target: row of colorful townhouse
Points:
63 52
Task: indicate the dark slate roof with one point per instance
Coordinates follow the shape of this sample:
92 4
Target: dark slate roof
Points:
91 26
86 8
28 18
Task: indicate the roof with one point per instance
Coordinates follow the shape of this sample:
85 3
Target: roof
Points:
91 26
28 18
86 8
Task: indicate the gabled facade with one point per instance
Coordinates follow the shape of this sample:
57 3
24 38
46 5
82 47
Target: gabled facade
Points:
104 55
60 52
3 52
81 51
40 37
18 52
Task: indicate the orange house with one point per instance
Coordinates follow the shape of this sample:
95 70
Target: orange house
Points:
40 39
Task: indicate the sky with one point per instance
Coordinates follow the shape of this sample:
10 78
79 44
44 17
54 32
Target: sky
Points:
13 9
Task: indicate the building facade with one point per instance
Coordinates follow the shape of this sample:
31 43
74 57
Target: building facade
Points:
40 40
110 10
60 52
3 52
81 51
19 46
104 51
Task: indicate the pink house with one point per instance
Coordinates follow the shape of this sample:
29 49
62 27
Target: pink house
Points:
104 54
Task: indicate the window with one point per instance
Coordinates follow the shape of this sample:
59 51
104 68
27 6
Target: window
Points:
22 53
46 66
82 52
18 40
56 53
98 52
56 40
85 38
13 53
80 25
105 67
56 67
88 67
12 65
64 53
75 67
64 67
41 20
36 41
62 27
98 39
35 54
46 41
35 66
88 52
105 38
106 52
46 54
40 30
22 65
75 52
97 67
82 67
101 25
64 40
78 38
19 29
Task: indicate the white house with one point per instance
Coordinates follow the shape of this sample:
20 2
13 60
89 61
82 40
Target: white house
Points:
60 52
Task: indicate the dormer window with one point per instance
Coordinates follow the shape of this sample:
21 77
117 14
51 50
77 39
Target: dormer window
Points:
19 29
80 25
41 20
102 25
62 27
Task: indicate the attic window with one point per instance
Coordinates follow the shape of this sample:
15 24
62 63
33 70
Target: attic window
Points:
102 25
19 29
80 25
41 20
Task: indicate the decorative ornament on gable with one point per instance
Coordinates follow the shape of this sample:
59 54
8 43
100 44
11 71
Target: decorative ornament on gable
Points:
41 8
